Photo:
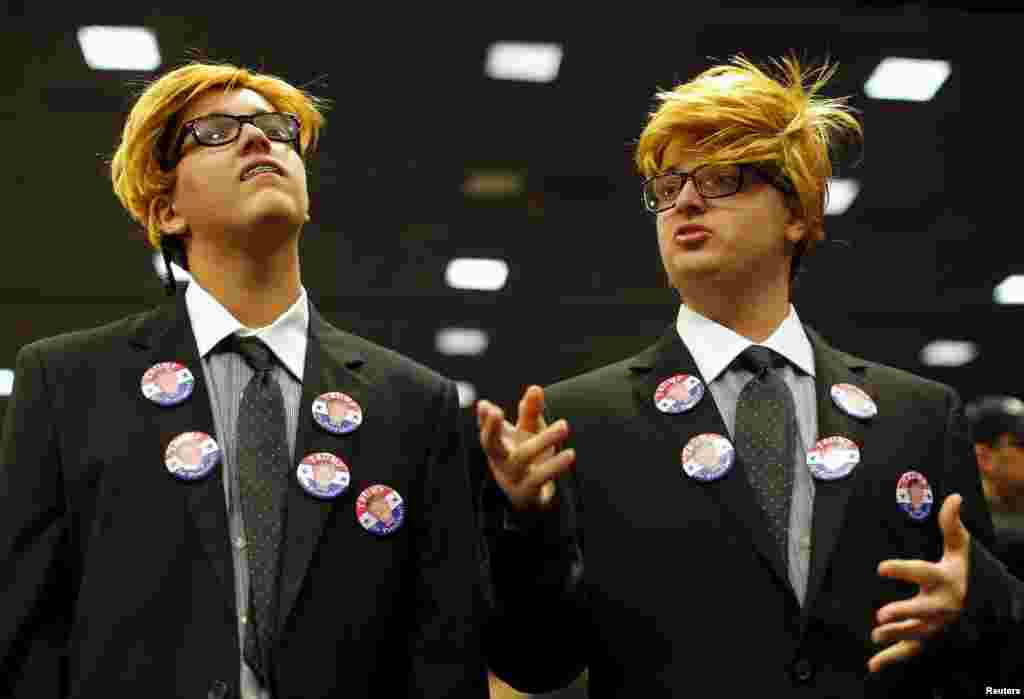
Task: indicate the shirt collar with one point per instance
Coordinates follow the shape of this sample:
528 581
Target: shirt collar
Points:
286 336
714 347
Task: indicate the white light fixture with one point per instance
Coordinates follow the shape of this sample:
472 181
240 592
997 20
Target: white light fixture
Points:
6 382
841 194
948 353
529 62
913 79
481 274
180 275
119 48
1010 290
461 341
467 393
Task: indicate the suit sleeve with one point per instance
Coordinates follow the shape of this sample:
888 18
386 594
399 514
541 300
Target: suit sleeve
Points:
993 618
446 650
35 580
536 636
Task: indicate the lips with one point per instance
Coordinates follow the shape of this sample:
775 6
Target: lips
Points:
689 235
259 167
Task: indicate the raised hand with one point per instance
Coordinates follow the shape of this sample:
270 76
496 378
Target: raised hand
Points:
523 456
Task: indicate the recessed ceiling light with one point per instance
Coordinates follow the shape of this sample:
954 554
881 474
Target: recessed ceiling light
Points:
119 48
841 194
912 79
530 62
461 341
1010 290
482 274
948 353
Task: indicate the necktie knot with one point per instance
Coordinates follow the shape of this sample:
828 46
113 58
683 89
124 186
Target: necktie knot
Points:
254 351
760 359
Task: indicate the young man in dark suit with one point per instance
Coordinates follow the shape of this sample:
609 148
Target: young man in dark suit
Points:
166 536
783 567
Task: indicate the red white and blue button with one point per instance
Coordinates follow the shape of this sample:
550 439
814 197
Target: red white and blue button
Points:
678 393
323 475
192 455
168 383
914 495
337 412
380 510
853 401
708 457
833 458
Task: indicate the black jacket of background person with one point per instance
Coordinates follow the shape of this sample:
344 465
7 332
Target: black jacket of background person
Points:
117 579
665 586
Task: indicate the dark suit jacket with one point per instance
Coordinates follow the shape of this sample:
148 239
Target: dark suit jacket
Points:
117 579
683 592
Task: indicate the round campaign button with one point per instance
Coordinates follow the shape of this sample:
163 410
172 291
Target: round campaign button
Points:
337 412
678 393
853 401
380 509
833 458
323 475
191 455
914 495
167 383
708 457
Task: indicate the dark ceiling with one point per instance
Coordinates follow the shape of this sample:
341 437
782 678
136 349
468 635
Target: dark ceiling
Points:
935 227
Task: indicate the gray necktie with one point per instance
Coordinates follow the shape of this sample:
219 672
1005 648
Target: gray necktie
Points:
263 466
765 439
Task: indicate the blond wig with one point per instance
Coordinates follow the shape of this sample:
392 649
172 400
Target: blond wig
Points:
772 116
138 177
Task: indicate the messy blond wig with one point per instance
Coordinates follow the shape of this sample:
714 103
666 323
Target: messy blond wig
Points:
138 178
772 116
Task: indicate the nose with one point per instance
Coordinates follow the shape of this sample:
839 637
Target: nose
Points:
689 199
252 139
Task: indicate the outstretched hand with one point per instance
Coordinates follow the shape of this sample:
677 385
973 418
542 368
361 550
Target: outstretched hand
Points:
941 596
522 457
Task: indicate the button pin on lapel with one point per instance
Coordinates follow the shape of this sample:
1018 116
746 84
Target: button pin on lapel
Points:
708 457
191 456
678 393
323 475
833 458
380 510
168 383
337 412
853 401
914 495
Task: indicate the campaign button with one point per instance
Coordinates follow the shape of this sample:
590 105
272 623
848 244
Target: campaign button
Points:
191 455
380 510
833 458
678 393
323 475
708 457
168 383
853 401
914 495
337 412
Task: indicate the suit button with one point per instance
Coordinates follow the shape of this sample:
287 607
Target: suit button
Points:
218 690
803 671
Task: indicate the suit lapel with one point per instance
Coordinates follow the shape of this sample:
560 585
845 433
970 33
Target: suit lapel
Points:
831 497
164 336
733 491
330 365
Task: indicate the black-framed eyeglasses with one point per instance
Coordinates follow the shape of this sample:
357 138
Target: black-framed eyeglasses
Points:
711 180
221 129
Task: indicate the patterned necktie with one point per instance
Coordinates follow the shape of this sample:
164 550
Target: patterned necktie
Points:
765 439
262 467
